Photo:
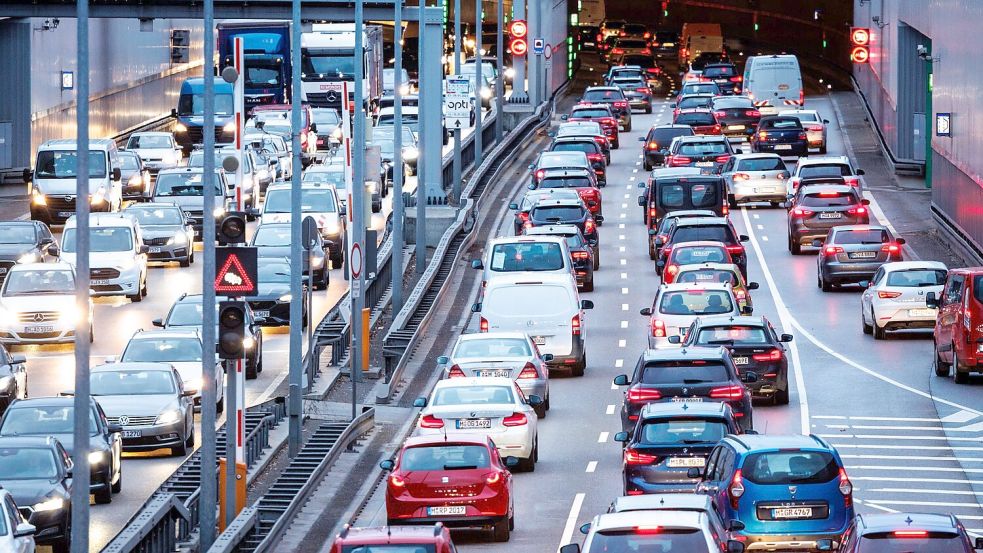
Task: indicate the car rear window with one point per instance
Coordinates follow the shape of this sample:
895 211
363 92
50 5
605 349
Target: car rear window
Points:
828 199
723 71
805 116
703 195
702 149
738 102
527 256
761 164
627 73
493 347
682 431
790 467
698 102
784 123
606 95
698 118
717 233
444 457
575 241
677 372
473 395
586 147
557 213
639 60
525 300
700 88
731 335
861 236
635 28
699 254
696 302
810 171
663 137
389 548
931 542
630 82
565 182
591 113
708 275
916 277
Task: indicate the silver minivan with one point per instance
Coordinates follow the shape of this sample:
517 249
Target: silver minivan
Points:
53 181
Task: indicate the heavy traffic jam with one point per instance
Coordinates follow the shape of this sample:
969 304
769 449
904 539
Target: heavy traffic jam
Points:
631 271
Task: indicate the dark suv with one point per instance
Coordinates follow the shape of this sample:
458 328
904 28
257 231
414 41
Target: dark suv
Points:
854 253
581 251
737 115
725 75
813 210
694 229
655 145
37 471
568 212
706 151
614 97
600 113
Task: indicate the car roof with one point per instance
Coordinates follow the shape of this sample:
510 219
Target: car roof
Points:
823 160
757 155
118 219
740 320
905 265
178 332
662 501
686 286
633 520
820 188
751 442
659 410
702 221
850 228
132 366
566 172
667 127
888 522
353 535
557 202
682 354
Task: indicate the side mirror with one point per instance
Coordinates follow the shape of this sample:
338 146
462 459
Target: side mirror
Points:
117 174
159 323
817 243
173 112
646 311
24 529
865 201
188 393
785 338
864 283
738 150
593 243
694 472
420 402
476 264
111 359
531 186
599 218
585 529
547 357
743 238
900 241
511 462
53 250
621 380
314 128
514 206
641 201
861 172
826 121
144 249
641 139
564 117
659 242
734 546
27 175
750 377
534 400
475 307
660 265
674 339
621 437
532 166
18 358
586 304
570 548
931 300
115 428
388 464
753 286
747 310
443 360
256 212
652 232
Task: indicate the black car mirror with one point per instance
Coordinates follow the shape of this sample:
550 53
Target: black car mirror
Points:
641 184
585 529
861 172
314 128
865 201
534 400
443 360
24 529
931 300
388 464
659 242
547 357
652 232
159 323
743 238
641 139
641 201
593 243
825 121
255 211
511 462
564 117
979 543
734 546
53 250
747 310
531 186
47 240
532 166
420 402
188 393
117 174
785 338
513 206
27 175
115 428
599 218
586 304
660 265
621 380
753 286
738 150
817 243
570 548
864 283
674 339
646 311
694 472
900 241
750 377
475 307
476 264
734 525
621 437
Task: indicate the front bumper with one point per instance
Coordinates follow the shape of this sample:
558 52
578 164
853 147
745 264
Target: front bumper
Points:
174 252
127 283
153 437
41 333
274 312
51 525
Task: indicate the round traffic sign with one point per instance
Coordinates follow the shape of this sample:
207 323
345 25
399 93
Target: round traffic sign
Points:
548 51
860 36
355 259
518 28
519 47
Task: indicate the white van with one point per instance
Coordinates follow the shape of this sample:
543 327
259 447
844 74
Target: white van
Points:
532 255
697 38
547 307
117 255
53 181
774 83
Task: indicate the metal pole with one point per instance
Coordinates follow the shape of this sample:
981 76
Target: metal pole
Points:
456 193
500 63
457 37
80 456
422 171
296 262
398 171
209 490
536 67
358 198
231 420
479 83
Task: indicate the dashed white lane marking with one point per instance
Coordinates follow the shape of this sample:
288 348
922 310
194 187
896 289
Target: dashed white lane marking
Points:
614 386
624 324
621 237
627 196
624 307
624 290
602 437
578 502
638 163
631 179
624 206
621 225
591 466
609 410
618 363
634 170
621 248
624 276
624 261
765 238
622 343
761 227
623 216
755 215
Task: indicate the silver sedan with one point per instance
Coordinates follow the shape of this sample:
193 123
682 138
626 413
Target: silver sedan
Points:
755 178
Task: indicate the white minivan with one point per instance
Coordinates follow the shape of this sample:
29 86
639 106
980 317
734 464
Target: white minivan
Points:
117 255
547 308
53 180
774 83
534 255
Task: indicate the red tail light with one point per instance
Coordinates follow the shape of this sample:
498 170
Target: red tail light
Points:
773 355
622 33
736 489
653 213
670 274
589 226
643 395
716 130
617 51
580 255
655 70
888 295
752 113
430 421
736 79
832 250
891 248
910 533
815 128
515 419
852 181
621 104
397 481
575 324
740 294
846 488
803 135
857 210
799 212
595 157
658 328
529 371
540 173
802 97
724 158
741 176
678 161
633 457
608 121
735 249
600 37
725 209
493 478
483 325
647 35
643 89
719 114
455 372
763 135
727 392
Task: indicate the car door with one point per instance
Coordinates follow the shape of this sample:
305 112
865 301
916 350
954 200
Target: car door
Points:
949 315
114 439
866 299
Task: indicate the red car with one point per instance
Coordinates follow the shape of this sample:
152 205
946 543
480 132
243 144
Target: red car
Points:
601 114
693 253
456 479
700 119
433 539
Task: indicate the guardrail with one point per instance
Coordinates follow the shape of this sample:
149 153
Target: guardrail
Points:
159 124
157 528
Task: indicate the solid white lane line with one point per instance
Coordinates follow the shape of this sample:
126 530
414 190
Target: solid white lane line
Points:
875 208
895 437
924 480
831 417
918 491
578 502
906 419
618 363
908 447
609 410
592 466
922 503
602 437
921 469
939 458
268 392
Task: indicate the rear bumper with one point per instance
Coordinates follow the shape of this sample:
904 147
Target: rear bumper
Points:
787 542
835 271
897 316
759 192
798 148
479 522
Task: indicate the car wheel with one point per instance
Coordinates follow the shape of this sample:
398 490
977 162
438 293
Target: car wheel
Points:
628 125
118 486
577 369
732 201
781 396
138 297
500 532
867 328
616 145
186 262
191 256
941 367
546 404
338 259
104 496
822 149
794 246
190 442
220 405
64 545
540 411
776 204
648 108
958 376
879 333
180 450
143 289
251 372
826 286
597 258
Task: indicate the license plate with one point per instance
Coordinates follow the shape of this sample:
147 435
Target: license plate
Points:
687 400
38 329
495 373
155 249
741 360
704 164
676 462
261 313
473 423
735 127
539 340
132 434
448 510
783 146
831 215
99 282
863 255
66 213
792 512
922 312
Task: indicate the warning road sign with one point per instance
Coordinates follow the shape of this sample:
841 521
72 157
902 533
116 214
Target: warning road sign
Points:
235 275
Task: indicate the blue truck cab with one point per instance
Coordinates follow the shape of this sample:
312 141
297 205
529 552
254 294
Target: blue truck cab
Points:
266 53
191 110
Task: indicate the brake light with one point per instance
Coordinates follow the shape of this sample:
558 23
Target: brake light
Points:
815 128
595 157
677 161
742 176
719 114
589 226
643 89
643 395
724 158
762 135
846 488
621 104
736 79
396 481
799 212
727 392
852 181
608 121
802 97
653 145
600 37
740 294
455 372
529 371
655 70
658 328
540 173
910 533
617 51
736 489
888 295
832 250
891 248
515 419
647 35
523 216
716 130
802 135
725 209
752 113
303 139
580 255
430 421
857 210
735 249
575 324
653 213
483 325
773 355
493 478
633 457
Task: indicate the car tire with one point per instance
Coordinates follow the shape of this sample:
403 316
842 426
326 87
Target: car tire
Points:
823 284
866 327
220 406
180 450
731 201
138 297
648 108
64 544
118 486
186 262
104 496
540 411
794 246
597 258
500 531
628 125
941 367
616 144
776 204
781 396
879 333
957 376
577 369
822 149
190 441
546 402
338 259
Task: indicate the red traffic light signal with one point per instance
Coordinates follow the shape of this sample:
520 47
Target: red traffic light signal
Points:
860 36
518 47
518 28
860 54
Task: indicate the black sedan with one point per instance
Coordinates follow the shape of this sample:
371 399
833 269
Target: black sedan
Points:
736 115
272 303
24 242
273 240
783 135
13 377
37 473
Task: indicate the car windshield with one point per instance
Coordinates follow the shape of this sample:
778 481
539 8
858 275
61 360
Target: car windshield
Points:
27 463
722 276
61 164
702 148
558 213
606 95
761 164
732 335
714 233
131 383
326 65
128 161
586 147
150 216
274 272
700 88
444 457
790 467
336 178
17 234
149 142
43 420
323 116
861 236
931 542
473 395
39 281
176 184
696 302
917 278
162 350
810 171
682 431
527 256
675 372
194 104
491 348
828 199
695 119
272 235
688 255
690 540
587 113
565 182
312 200
101 239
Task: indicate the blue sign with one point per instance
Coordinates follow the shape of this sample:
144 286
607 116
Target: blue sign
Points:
538 46
943 124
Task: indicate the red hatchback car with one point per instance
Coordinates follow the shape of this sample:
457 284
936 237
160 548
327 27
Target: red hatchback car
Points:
456 479
407 539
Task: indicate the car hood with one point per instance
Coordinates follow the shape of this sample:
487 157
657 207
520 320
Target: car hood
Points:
273 251
32 491
100 259
194 203
13 251
44 302
271 290
157 231
152 152
139 405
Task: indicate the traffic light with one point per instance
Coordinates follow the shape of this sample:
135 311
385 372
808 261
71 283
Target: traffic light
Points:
231 228
860 38
231 329
518 30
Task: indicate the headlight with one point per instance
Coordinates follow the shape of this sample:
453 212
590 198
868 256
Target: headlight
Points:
135 180
96 457
371 186
180 128
285 298
336 133
404 89
410 154
39 198
168 417
98 197
229 127
7 317
510 72
263 174
219 212
248 342
331 227
179 238
52 504
28 258
69 314
5 382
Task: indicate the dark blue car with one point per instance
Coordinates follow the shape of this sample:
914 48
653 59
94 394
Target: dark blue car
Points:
780 490
783 135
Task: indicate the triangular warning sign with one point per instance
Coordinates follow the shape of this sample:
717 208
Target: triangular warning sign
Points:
233 279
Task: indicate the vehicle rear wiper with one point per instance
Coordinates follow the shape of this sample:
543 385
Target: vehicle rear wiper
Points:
694 441
694 381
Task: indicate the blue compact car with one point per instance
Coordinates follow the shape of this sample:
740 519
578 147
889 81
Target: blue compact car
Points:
779 492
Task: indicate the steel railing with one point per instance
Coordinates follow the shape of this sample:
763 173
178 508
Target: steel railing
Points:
155 528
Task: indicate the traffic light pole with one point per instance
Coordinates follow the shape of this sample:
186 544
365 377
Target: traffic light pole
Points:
356 267
233 371
500 64
519 62
422 170
456 168
296 360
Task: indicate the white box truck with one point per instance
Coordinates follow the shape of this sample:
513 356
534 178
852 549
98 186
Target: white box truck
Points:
328 58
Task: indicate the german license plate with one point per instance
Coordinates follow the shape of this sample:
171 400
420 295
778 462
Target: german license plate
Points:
704 164
783 146
676 462
830 215
38 329
862 255
473 423
66 213
261 313
539 340
792 512
687 400
495 373
446 510
155 249
741 360
132 434
99 282
735 127
921 312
